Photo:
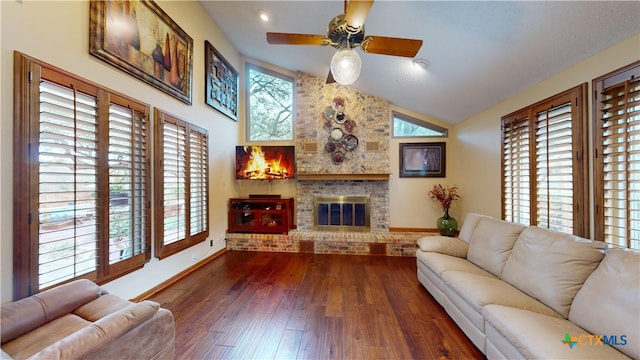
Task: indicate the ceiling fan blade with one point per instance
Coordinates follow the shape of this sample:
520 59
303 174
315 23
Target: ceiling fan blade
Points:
330 79
356 13
296 39
391 46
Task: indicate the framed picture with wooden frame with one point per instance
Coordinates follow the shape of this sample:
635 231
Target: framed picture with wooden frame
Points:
423 159
139 38
221 82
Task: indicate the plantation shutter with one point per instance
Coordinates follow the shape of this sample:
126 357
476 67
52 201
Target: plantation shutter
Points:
198 171
128 178
81 179
545 173
516 169
618 158
174 180
181 184
554 169
67 183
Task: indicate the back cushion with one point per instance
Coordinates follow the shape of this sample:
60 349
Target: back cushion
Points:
469 224
551 266
491 243
609 301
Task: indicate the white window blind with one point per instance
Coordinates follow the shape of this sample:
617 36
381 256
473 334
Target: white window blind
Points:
174 181
554 169
127 183
67 180
198 168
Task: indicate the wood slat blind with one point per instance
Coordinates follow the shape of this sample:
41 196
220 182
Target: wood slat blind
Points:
182 217
128 178
618 170
554 169
198 161
67 180
516 169
174 181
544 173
81 164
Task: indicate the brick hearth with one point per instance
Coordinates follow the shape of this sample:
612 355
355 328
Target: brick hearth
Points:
330 242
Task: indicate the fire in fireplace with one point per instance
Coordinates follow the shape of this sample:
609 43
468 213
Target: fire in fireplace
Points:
341 213
265 162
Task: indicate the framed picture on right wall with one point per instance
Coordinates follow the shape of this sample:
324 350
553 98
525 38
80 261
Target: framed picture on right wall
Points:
423 159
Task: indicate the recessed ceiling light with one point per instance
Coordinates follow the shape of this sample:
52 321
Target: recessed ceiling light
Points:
421 63
263 15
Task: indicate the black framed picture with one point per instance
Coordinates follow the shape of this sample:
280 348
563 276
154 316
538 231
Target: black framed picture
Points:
221 82
423 159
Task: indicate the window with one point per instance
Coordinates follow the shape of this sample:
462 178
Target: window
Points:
617 157
269 105
544 165
81 200
406 126
181 185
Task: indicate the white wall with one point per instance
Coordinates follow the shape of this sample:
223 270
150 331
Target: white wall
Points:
478 143
57 32
409 203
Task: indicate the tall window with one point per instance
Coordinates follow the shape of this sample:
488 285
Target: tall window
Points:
544 165
269 105
81 199
407 126
617 157
181 184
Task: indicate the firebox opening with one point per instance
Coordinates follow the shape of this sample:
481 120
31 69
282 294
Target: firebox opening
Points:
341 213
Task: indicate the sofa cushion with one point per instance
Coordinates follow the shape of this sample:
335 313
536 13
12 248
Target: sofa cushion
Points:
24 315
101 307
538 336
491 243
444 245
551 266
609 301
468 225
439 263
92 337
32 342
479 290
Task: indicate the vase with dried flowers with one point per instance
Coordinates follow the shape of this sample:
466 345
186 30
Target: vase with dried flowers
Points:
447 225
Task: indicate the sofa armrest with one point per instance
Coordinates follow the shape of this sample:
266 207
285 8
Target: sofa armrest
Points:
24 315
444 245
99 333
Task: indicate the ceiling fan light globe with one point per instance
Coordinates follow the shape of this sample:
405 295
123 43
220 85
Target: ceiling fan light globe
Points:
345 66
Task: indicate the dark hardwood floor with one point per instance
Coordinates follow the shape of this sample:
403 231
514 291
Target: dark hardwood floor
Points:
256 305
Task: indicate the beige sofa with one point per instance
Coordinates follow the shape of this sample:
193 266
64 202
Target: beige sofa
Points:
79 320
527 292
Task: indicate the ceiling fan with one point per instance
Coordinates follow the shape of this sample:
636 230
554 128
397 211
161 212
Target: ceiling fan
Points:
346 32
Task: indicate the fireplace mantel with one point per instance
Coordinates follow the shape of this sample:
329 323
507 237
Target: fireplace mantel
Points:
370 177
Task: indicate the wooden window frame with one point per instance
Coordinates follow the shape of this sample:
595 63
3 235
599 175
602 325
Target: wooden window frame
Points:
163 250
27 74
617 78
577 96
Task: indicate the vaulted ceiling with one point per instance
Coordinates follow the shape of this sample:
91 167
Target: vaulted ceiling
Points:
480 52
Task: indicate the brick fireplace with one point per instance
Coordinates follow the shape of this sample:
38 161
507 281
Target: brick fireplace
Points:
333 119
